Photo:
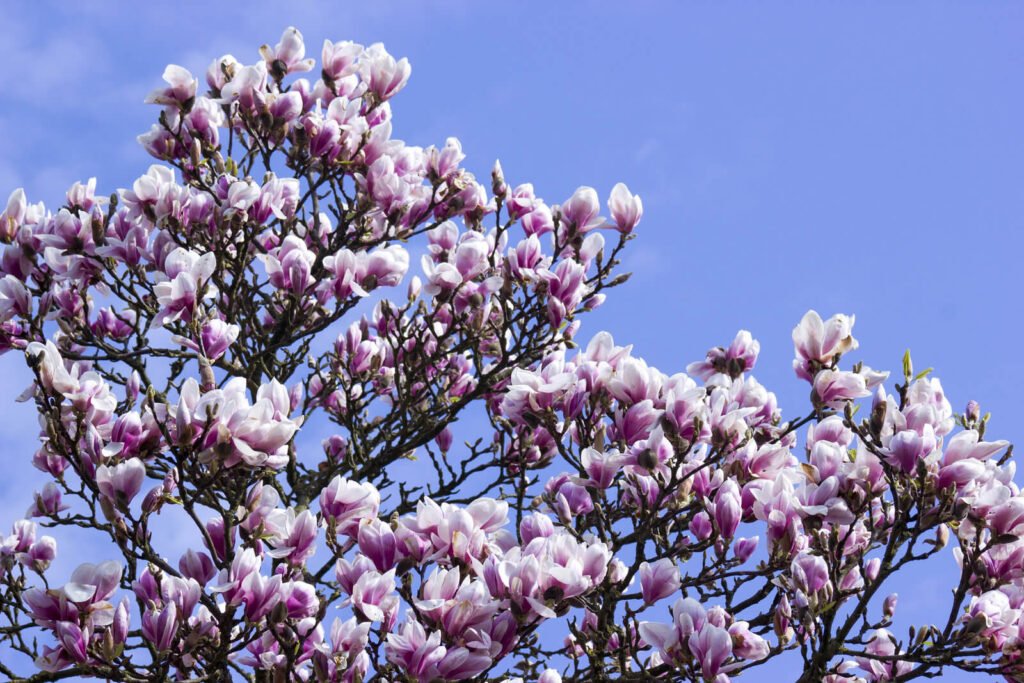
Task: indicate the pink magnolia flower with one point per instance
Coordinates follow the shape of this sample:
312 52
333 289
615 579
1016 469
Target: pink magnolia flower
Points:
688 617
581 210
347 503
746 644
625 207
569 499
293 536
15 299
711 646
883 644
349 658
658 580
289 266
373 594
1007 518
287 56
414 652
121 483
93 583
247 86
40 554
159 627
186 285
521 201
444 163
745 547
180 90
967 445
47 503
377 541
526 258
73 640
908 447
700 526
994 618
728 508
818 342
536 525
338 60
602 467
739 357
51 368
454 603
255 435
300 600
14 215
383 76
218 537
775 503
231 580
197 566
834 387
539 221
926 403
216 337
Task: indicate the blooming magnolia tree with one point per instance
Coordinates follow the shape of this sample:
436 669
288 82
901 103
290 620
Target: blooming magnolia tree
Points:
608 522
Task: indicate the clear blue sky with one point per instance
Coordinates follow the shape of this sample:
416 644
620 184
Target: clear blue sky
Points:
858 158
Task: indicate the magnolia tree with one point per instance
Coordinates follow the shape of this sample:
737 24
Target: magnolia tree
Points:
607 522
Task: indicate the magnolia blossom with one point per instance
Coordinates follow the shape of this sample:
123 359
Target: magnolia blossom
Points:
347 503
626 208
287 56
121 482
186 284
707 636
659 580
181 87
819 342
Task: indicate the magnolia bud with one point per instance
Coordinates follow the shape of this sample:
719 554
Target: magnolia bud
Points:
872 568
295 396
498 186
745 547
444 440
780 620
972 413
415 286
701 526
889 606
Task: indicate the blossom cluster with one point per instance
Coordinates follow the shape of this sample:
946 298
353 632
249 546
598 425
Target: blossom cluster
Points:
188 337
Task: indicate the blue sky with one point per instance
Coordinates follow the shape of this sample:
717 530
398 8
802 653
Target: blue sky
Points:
845 157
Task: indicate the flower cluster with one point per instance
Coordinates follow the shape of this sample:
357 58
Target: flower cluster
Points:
189 336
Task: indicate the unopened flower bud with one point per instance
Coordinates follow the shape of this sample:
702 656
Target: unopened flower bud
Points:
745 547
889 606
131 389
701 526
781 619
498 186
415 286
872 568
444 440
